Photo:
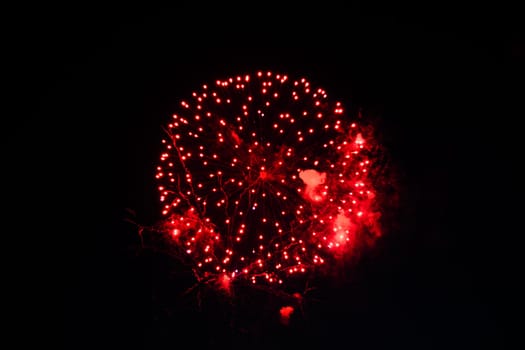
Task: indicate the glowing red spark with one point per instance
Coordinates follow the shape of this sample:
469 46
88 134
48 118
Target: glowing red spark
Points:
286 312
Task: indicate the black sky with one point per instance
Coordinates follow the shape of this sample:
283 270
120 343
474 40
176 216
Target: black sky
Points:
90 88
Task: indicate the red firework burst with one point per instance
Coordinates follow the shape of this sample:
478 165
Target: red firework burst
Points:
265 179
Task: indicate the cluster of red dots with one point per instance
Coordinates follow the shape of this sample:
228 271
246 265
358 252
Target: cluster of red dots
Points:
263 177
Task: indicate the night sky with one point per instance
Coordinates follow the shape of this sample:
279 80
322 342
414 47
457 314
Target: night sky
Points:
92 87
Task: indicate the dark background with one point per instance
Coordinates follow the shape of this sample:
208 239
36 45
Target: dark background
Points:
89 88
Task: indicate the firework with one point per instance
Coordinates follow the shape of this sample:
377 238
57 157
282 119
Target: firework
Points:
264 179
